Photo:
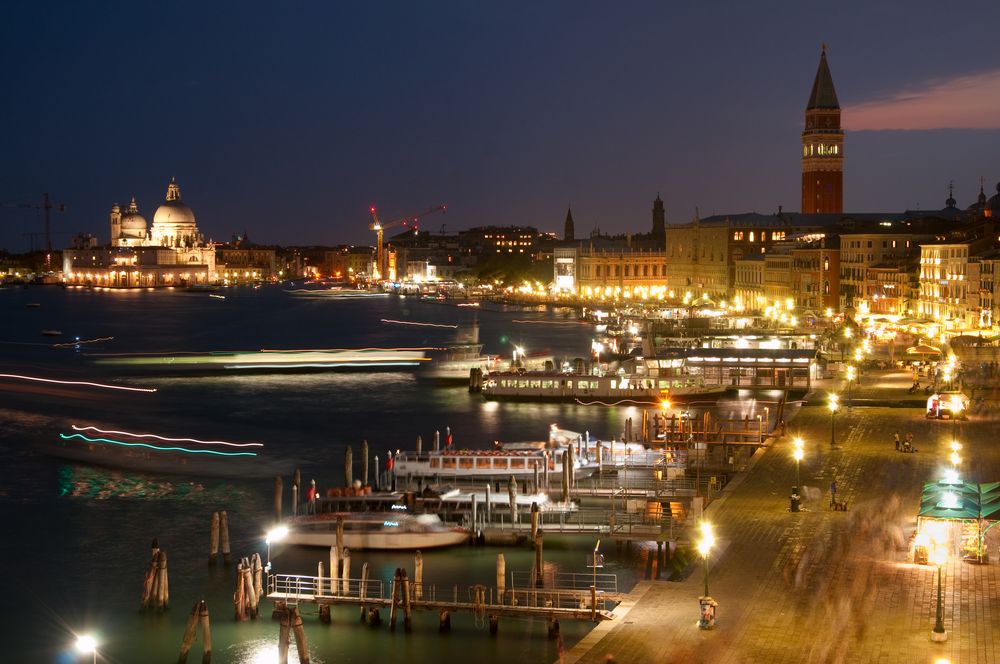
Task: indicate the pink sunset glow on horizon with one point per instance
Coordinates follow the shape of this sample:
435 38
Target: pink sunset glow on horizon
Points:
963 102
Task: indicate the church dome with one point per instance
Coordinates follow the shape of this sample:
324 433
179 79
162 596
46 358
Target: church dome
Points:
173 220
173 214
133 224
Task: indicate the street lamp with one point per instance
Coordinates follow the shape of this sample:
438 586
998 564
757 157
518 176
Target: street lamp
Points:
708 605
833 404
86 644
596 547
797 454
274 535
850 380
939 634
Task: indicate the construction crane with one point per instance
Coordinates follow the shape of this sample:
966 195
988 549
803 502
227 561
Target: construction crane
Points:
381 267
45 206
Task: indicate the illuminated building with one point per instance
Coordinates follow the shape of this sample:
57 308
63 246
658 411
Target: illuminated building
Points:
171 252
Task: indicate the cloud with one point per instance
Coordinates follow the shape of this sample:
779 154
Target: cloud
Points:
963 102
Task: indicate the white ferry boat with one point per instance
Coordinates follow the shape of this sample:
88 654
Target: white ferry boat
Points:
505 459
547 386
381 532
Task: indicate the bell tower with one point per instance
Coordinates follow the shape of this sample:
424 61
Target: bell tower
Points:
823 147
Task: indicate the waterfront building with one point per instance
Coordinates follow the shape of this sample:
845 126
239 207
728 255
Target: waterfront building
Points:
171 252
348 262
890 244
242 261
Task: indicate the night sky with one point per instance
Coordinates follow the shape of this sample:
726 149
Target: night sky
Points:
288 120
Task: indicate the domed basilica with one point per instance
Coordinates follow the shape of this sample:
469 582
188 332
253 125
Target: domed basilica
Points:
171 252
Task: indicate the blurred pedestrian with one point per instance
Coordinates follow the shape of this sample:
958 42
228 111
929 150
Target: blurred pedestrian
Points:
896 436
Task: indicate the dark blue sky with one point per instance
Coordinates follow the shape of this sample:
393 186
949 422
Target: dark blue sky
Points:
290 119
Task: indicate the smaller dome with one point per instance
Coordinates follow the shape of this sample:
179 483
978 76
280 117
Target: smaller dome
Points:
133 223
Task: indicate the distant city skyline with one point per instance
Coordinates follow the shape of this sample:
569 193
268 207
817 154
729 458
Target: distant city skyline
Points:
288 123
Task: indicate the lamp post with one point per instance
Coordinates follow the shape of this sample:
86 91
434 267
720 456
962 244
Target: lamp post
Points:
851 372
833 404
940 558
596 547
274 535
707 620
797 454
847 335
86 644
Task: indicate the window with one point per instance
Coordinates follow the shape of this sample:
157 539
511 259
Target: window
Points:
737 236
751 236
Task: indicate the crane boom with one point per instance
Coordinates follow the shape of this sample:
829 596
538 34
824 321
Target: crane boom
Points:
381 268
46 206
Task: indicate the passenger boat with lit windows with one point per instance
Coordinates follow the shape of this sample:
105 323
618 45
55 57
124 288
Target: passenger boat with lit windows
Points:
609 388
393 531
503 460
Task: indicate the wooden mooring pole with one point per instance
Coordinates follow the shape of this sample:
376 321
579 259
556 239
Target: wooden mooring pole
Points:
418 576
227 556
364 462
539 561
501 578
277 498
300 636
213 550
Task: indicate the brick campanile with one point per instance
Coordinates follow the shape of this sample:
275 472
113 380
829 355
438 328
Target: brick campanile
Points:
823 147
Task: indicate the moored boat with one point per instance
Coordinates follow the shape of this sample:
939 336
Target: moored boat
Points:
381 532
520 460
611 388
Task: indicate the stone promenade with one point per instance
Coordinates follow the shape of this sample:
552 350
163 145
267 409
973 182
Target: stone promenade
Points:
823 586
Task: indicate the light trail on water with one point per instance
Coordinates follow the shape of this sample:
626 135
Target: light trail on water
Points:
80 383
417 324
153 447
164 438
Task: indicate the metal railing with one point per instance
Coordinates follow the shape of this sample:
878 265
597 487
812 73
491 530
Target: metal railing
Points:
597 521
308 587
606 583
571 591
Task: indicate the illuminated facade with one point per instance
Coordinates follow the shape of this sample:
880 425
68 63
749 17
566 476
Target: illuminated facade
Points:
943 286
169 253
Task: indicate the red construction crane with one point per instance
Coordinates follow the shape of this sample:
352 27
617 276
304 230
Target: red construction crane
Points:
381 268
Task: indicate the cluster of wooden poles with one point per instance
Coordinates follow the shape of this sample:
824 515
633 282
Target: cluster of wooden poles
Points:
156 585
249 587
220 532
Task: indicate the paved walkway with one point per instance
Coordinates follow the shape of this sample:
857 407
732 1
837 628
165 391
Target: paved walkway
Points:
823 586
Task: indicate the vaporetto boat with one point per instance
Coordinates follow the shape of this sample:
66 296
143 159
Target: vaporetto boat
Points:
608 389
519 460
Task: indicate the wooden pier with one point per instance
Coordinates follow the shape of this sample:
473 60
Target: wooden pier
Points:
576 597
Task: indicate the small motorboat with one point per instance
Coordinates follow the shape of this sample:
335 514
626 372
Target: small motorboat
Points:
381 532
32 305
51 333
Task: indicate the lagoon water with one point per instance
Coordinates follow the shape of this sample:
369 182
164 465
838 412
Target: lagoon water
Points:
76 539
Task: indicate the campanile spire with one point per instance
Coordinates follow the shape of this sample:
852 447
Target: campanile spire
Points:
823 146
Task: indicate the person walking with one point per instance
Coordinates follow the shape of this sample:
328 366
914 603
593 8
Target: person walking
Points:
833 493
896 436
